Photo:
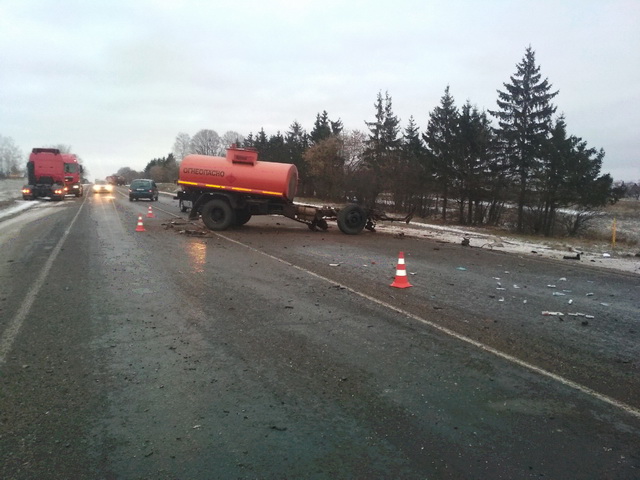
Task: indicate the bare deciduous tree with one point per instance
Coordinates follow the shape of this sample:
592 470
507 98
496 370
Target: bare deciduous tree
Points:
326 167
10 157
206 142
182 146
230 138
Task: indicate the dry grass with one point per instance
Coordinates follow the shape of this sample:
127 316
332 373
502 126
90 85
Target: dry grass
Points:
597 235
626 214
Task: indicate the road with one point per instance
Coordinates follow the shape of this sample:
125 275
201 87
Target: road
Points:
274 352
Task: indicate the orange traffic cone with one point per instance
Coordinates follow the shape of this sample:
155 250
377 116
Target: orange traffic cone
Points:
401 274
150 213
140 226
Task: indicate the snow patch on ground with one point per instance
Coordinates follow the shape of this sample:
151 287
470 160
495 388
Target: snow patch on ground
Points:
477 239
19 207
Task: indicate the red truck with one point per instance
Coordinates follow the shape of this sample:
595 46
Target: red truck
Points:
228 191
52 174
73 175
116 180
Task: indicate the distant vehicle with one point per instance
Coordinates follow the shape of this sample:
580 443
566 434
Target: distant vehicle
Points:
45 174
143 188
101 186
116 180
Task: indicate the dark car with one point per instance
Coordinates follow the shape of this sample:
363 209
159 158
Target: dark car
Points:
143 188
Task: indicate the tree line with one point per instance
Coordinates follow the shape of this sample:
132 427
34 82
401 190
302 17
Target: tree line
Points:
462 168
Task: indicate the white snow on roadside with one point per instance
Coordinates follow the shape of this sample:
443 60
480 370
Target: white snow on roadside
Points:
479 239
11 189
11 202
17 208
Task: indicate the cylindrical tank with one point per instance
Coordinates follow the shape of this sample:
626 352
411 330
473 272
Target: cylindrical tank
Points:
240 172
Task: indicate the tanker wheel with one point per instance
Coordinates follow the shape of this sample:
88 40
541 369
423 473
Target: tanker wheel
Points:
323 225
217 215
352 219
243 215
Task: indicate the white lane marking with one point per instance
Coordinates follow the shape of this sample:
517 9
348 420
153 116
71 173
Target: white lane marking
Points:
12 330
510 358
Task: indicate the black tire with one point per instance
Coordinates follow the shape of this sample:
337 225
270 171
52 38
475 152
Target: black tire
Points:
242 216
217 215
352 219
131 199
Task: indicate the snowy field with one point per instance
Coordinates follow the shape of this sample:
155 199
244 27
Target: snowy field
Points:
594 253
11 198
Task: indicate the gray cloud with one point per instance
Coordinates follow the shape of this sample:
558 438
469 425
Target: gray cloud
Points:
119 80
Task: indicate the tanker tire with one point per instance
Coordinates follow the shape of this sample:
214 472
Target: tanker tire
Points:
217 215
352 219
242 217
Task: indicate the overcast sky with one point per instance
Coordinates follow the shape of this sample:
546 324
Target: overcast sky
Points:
119 80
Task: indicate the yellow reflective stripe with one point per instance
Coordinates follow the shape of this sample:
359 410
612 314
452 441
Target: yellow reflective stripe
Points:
238 189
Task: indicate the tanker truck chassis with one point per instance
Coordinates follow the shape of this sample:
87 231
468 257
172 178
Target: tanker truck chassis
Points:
227 192
220 211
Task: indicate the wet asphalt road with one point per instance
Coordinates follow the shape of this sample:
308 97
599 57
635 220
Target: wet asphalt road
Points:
274 352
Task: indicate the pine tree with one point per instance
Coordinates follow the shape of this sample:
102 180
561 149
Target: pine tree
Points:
276 149
415 174
323 128
525 121
382 150
441 139
261 144
297 142
473 165
249 142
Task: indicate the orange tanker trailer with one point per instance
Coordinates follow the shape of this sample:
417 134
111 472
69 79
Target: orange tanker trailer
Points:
228 191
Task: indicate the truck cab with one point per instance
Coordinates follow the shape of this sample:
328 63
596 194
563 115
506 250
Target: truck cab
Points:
46 175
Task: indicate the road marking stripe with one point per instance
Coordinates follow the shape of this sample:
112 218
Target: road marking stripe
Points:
12 330
510 358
